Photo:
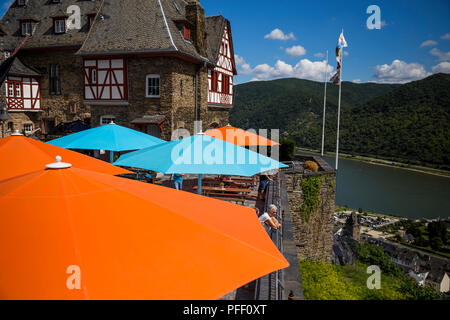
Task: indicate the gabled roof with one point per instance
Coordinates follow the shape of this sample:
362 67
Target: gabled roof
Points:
143 26
215 29
120 27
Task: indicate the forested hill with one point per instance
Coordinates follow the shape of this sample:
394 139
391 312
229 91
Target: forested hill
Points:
411 122
408 123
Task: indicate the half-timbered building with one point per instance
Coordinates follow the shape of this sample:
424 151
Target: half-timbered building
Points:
152 65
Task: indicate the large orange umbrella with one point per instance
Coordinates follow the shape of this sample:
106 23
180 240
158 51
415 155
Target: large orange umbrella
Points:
123 239
240 137
20 155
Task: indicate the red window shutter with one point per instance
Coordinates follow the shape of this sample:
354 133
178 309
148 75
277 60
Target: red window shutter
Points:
187 33
214 80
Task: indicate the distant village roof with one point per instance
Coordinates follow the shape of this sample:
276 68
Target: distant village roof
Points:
436 268
120 27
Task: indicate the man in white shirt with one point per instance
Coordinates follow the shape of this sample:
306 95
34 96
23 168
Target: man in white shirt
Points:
268 218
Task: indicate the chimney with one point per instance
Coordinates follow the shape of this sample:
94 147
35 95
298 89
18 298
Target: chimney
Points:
195 14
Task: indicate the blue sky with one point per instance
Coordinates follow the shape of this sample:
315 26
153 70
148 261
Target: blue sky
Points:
392 54
414 40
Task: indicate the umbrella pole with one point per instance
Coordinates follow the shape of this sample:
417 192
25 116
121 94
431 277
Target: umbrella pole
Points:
199 189
111 156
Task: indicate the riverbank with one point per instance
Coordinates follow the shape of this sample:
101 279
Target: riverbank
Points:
381 162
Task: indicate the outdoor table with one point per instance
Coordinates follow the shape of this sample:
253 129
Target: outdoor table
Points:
226 193
226 189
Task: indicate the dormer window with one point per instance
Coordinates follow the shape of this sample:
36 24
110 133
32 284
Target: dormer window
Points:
26 28
21 3
59 25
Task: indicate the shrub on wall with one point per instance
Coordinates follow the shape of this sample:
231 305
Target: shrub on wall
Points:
310 195
312 166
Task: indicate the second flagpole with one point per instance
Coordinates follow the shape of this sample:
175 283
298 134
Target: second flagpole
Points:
339 109
324 104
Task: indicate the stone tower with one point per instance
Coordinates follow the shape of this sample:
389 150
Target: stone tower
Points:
352 227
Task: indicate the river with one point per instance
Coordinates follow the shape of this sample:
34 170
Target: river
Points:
391 190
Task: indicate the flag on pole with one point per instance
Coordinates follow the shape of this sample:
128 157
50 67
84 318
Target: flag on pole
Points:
342 43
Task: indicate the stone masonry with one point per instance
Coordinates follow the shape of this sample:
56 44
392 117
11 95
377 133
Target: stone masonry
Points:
313 233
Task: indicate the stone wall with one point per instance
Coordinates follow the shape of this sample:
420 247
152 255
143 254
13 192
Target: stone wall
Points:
54 108
312 211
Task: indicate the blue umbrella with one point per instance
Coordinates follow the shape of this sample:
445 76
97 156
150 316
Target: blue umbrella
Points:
111 137
200 154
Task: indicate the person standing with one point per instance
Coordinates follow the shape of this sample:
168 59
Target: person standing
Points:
178 181
264 180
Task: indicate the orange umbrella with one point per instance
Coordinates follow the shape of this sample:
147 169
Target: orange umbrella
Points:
240 137
20 155
114 238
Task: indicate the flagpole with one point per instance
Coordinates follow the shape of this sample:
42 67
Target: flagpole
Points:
339 108
324 104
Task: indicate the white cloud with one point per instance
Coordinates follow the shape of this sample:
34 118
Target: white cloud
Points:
443 67
296 51
443 56
428 43
357 81
278 34
319 55
239 60
304 69
446 36
400 72
243 67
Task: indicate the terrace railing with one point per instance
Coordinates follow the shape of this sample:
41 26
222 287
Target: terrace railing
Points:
285 283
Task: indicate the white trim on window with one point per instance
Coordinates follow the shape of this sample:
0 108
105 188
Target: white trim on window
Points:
153 86
28 127
107 119
60 25
26 28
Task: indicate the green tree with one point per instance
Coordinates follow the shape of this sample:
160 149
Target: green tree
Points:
418 292
437 229
436 243
287 149
321 281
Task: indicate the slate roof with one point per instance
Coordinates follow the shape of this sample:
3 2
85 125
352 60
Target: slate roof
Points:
44 11
120 27
19 69
215 28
